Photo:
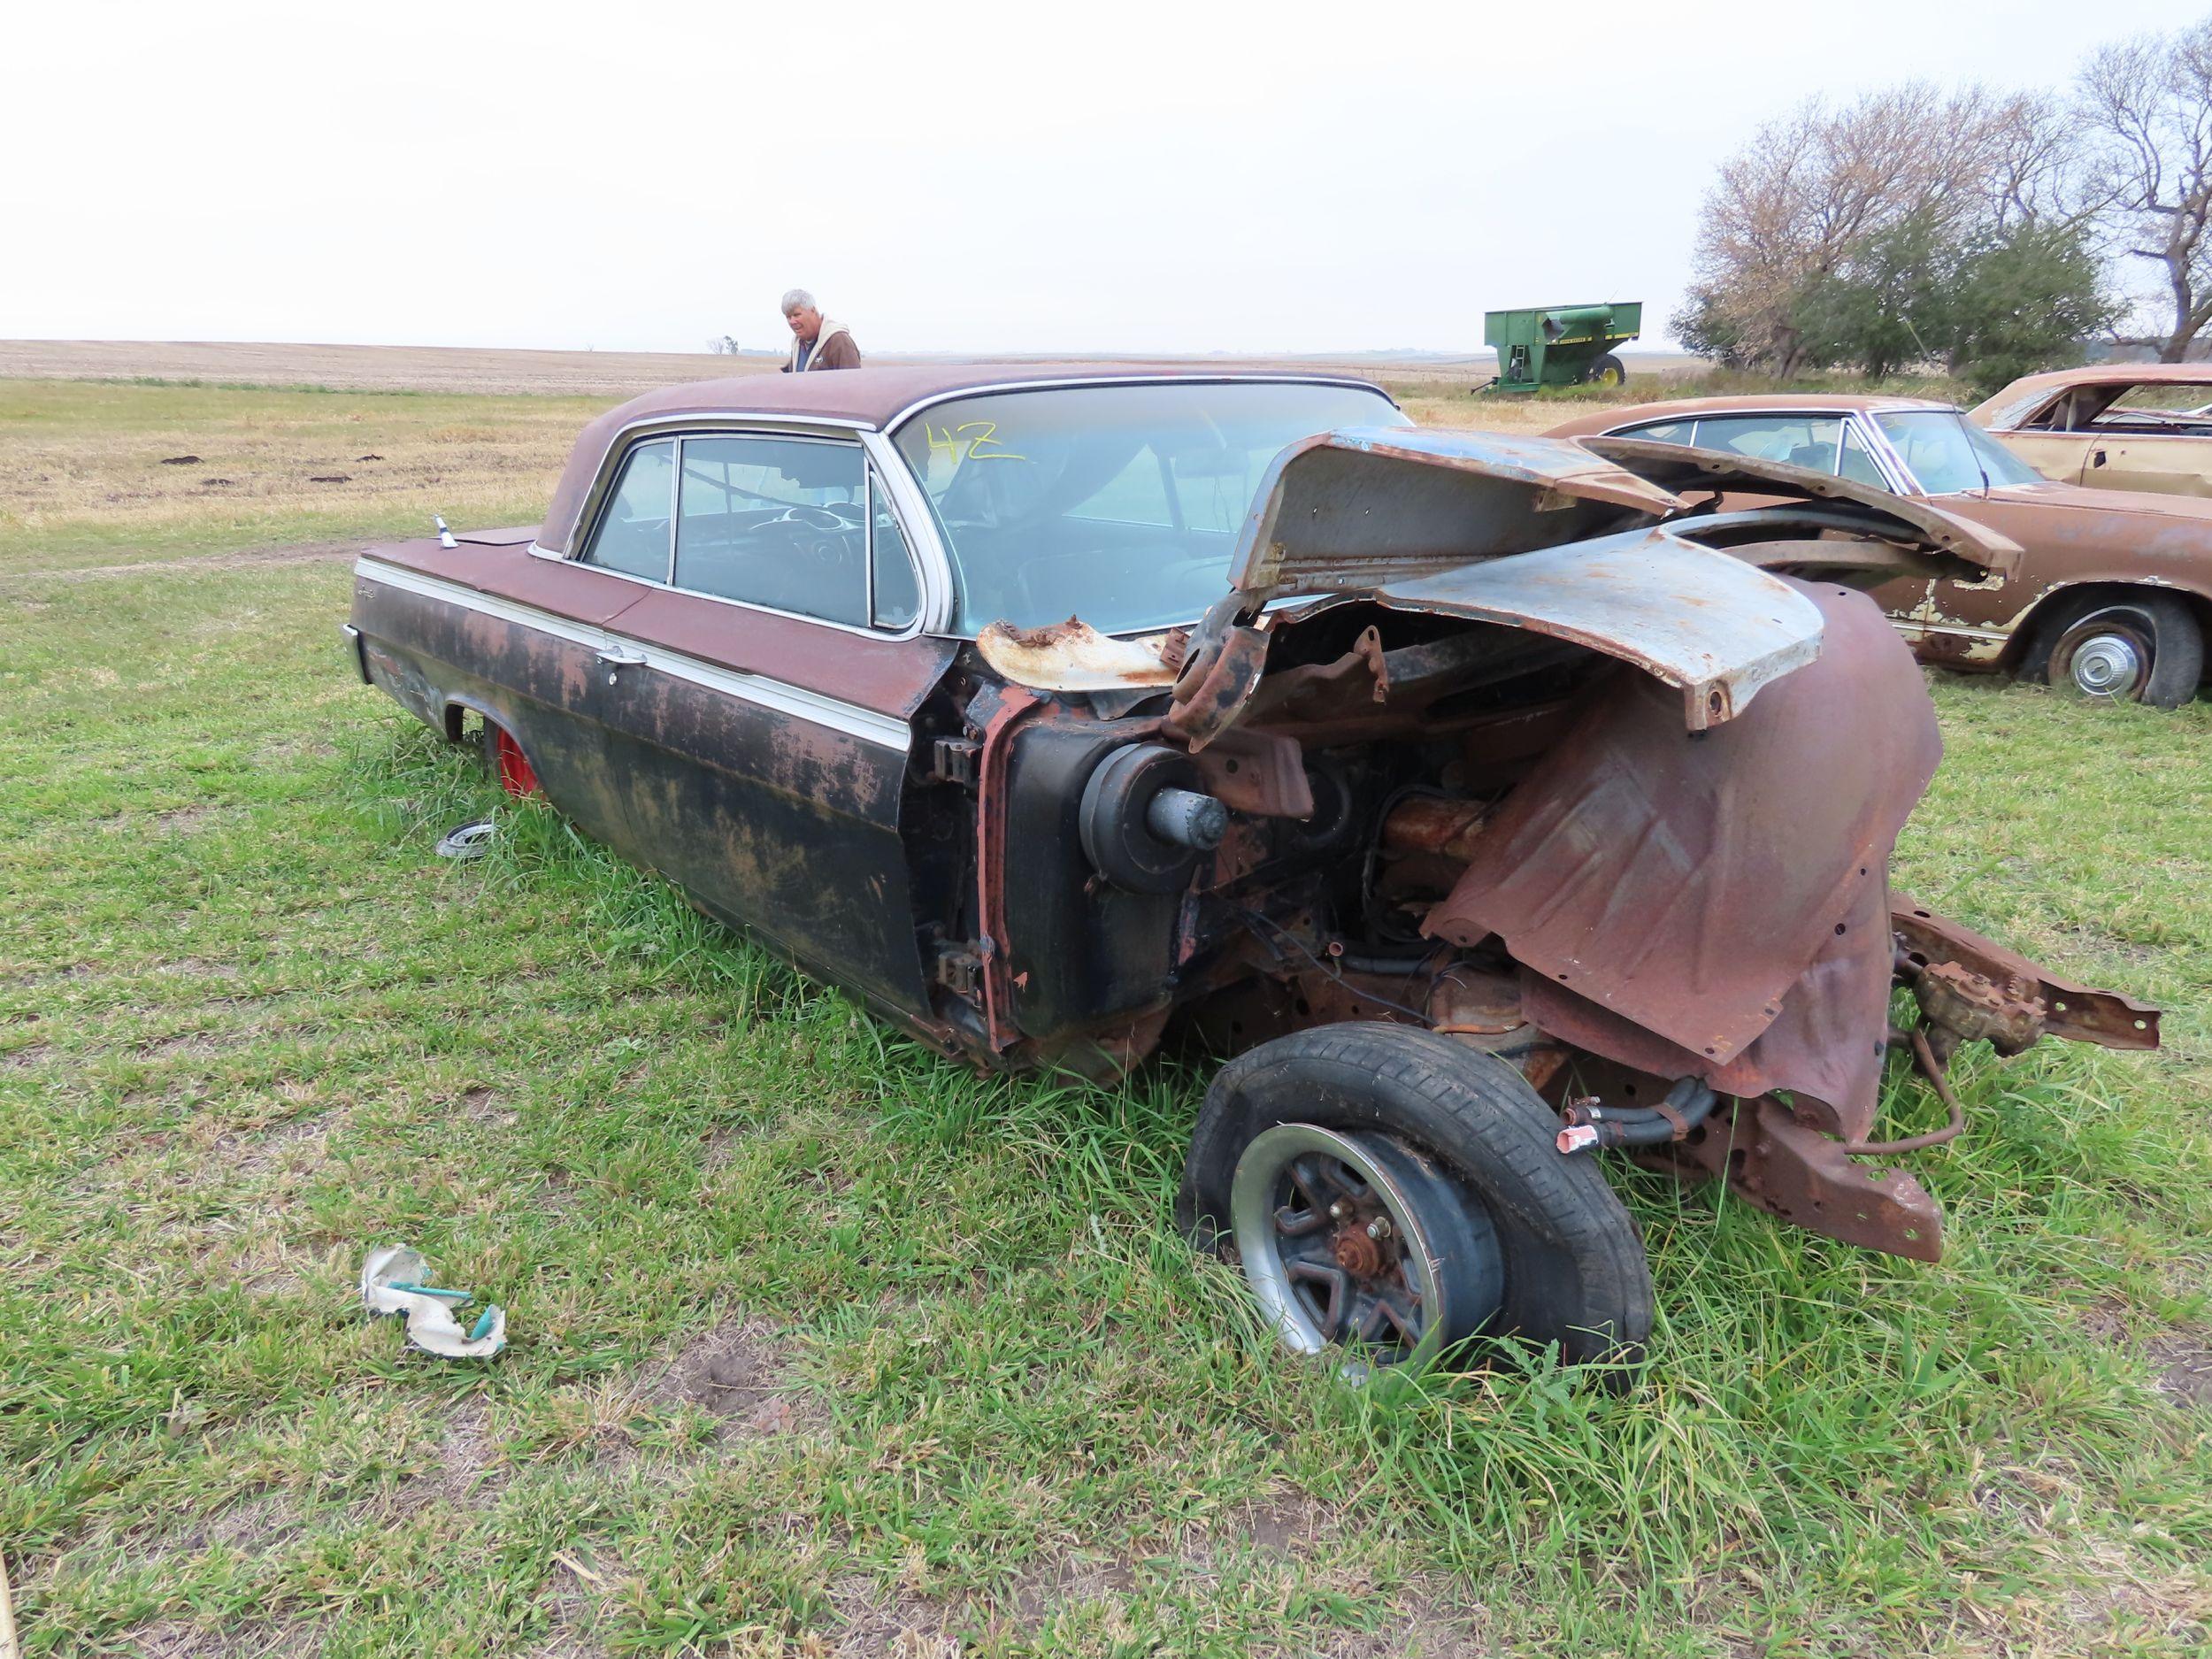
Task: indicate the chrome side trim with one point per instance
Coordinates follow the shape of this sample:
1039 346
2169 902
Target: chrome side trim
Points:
360 651
884 730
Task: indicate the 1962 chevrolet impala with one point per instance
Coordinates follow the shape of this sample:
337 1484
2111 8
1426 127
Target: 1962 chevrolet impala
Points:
1455 783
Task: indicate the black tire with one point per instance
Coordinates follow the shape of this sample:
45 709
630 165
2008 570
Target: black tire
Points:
1573 1268
2091 633
1608 365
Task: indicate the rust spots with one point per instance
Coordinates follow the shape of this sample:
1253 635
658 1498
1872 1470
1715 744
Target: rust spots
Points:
1072 656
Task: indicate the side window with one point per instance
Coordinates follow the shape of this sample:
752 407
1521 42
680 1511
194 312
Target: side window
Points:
1661 432
632 534
780 522
1803 440
1859 464
898 597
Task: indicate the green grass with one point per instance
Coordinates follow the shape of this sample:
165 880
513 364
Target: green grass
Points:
817 1340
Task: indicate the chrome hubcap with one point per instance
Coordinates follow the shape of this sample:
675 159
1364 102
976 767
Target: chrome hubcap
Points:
2107 666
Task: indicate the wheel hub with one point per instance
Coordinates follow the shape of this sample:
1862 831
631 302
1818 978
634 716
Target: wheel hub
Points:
1361 1254
1355 1240
2107 666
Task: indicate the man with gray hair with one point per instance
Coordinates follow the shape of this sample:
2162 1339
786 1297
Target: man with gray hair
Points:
815 342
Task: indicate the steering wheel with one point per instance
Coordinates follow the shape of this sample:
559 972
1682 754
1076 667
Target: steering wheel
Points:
815 519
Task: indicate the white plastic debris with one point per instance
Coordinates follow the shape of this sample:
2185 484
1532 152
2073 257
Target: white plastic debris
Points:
466 842
396 1279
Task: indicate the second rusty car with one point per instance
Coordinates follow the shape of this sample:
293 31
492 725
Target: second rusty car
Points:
2110 593
1446 784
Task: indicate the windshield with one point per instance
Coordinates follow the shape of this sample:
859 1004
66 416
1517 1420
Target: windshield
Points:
1119 504
1948 454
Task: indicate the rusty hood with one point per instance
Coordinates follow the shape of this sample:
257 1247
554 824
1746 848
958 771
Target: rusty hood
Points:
1874 510
1348 510
1531 534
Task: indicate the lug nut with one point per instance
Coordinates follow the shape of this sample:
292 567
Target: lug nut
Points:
1336 1211
1380 1227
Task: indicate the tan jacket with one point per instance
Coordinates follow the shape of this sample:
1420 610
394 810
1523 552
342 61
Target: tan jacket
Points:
833 349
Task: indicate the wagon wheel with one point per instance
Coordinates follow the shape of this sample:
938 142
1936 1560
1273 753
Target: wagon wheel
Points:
1606 371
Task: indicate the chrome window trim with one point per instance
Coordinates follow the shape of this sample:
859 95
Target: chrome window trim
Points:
762 691
926 550
938 584
704 421
997 389
1896 479
1901 482
868 453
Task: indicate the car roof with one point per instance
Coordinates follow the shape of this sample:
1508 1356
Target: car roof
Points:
867 397
879 397
2114 374
1744 402
2027 396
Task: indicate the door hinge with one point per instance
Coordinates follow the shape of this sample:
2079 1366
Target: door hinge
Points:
953 759
960 967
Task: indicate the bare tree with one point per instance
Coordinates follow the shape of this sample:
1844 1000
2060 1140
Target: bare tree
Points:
2149 105
1790 205
2041 172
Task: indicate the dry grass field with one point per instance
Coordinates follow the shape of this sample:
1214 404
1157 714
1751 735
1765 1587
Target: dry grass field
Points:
820 1346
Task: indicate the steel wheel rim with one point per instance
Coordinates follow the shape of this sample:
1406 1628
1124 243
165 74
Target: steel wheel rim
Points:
2107 666
1309 1297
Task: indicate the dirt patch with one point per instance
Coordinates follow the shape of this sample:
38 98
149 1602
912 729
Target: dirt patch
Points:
199 968
175 1639
573 1609
1060 1580
190 1045
482 1105
897 1625
1414 1626
2185 1367
741 1373
466 1476
30 1055
184 820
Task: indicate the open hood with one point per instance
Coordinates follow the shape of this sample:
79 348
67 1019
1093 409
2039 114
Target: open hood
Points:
1346 510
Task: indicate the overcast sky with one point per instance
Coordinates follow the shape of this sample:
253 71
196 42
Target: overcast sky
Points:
945 174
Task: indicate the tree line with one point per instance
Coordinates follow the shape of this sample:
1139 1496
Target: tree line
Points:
1990 234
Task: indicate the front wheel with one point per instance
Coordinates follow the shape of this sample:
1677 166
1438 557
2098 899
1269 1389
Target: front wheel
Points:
1394 1195
1606 371
2145 647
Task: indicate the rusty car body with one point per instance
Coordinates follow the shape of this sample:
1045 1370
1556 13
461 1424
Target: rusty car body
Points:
2110 593
2111 426
1450 783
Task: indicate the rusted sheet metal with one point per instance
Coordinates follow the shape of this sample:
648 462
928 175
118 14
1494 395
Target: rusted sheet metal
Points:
1677 468
2074 1012
1346 510
575 591
1790 1169
1215 685
992 765
1072 655
1715 628
1716 906
1260 772
1433 823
